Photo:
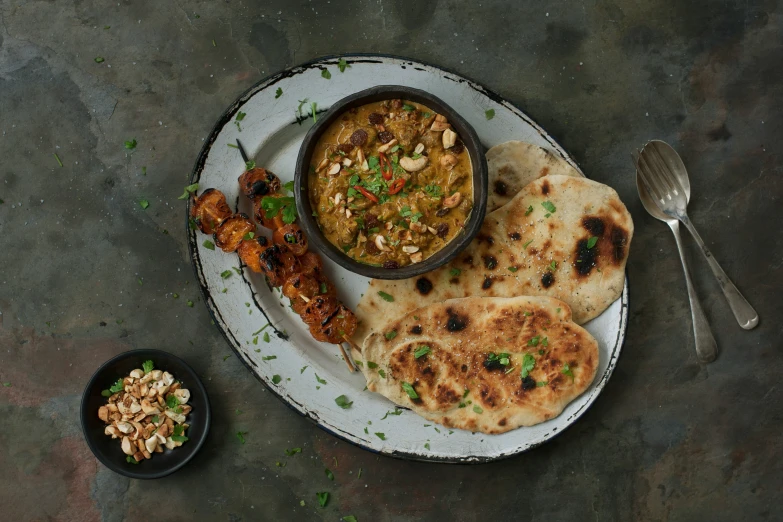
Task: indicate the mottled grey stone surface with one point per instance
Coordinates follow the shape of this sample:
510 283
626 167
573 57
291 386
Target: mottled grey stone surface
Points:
85 273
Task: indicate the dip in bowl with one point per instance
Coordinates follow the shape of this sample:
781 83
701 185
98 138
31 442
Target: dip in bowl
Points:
391 183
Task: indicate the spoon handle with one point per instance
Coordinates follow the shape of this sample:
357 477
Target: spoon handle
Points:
745 314
706 347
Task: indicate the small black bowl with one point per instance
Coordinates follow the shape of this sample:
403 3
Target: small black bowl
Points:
478 161
108 450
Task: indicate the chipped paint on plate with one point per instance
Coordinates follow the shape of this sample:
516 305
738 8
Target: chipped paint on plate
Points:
313 374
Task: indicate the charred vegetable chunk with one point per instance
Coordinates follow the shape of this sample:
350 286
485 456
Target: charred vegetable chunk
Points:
292 237
209 210
258 182
232 232
250 251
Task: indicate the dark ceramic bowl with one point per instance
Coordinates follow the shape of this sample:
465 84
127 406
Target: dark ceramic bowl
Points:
466 133
108 450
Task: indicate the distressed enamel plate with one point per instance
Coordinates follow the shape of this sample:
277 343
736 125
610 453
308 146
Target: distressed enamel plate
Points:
308 375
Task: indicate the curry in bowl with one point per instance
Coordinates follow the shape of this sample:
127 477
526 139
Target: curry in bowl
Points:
390 183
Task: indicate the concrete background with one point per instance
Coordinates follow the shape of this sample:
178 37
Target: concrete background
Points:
85 273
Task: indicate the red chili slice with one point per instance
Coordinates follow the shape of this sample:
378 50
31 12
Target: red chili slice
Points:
386 168
366 193
396 185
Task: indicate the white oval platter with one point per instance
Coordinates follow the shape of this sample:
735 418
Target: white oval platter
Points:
276 120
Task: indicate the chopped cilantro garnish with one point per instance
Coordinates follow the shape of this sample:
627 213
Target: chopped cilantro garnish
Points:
190 303
391 335
225 274
343 402
545 341
528 363
323 498
293 451
329 473
342 64
250 164
455 272
396 411
534 341
541 384
58 162
512 269
148 366
407 388
421 351
190 189
273 206
269 358
131 460
131 144
380 435
172 401
526 244
592 241
434 191
549 206
266 337
278 93
99 59
489 114
241 116
144 203
289 186
326 74
529 210
322 381
386 297
477 409
117 386
552 266
382 373
567 371
276 379
314 109
209 245
371 365
241 436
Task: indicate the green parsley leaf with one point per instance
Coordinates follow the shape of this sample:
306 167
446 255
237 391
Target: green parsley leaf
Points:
99 59
276 379
188 191
592 241
477 409
144 203
549 206
250 165
343 402
326 74
319 379
323 498
396 411
241 436
455 272
266 337
231 145
241 116
249 235
148 366
558 310
225 357
293 451
104 393
314 109
541 384
380 435
421 351
489 114
289 186
386 297
179 438
117 387
512 269
567 371
225 274
278 93
131 460
545 341
528 363
209 245
552 266
382 373
131 144
391 335
529 210
371 365
269 358
526 244
407 388
408 108
373 162
342 64
534 341
273 206
434 191
190 303
172 401
58 161
349 518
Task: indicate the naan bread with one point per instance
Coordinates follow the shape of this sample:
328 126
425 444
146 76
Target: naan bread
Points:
456 388
514 252
514 164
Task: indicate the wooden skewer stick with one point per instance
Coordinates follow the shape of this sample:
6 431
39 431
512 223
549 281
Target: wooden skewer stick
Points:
347 359
353 344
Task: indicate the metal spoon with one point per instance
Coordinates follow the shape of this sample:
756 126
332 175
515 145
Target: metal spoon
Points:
664 176
706 347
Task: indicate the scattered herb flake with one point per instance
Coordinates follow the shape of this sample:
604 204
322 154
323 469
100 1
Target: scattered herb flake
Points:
188 191
278 93
407 388
323 498
131 460
526 244
567 371
319 379
534 341
386 297
269 358
209 245
190 303
455 272
391 335
549 206
528 363
144 203
293 451
489 114
58 159
241 436
421 351
276 379
342 64
329 473
131 144
326 74
99 59
147 366
117 387
592 241
266 337
512 269
380 435
343 402
477 409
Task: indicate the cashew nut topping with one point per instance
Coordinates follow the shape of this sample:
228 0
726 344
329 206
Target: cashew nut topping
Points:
380 242
448 160
410 249
322 165
419 148
334 169
416 258
347 162
449 138
386 146
453 200
413 165
148 413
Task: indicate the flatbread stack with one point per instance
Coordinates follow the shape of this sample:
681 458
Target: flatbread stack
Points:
560 239
436 361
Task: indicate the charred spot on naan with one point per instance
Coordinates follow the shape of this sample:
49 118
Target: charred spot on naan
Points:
456 322
416 329
501 189
423 285
545 186
614 250
487 284
515 236
548 279
490 262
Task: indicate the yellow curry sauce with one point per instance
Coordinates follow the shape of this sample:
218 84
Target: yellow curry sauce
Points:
390 183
